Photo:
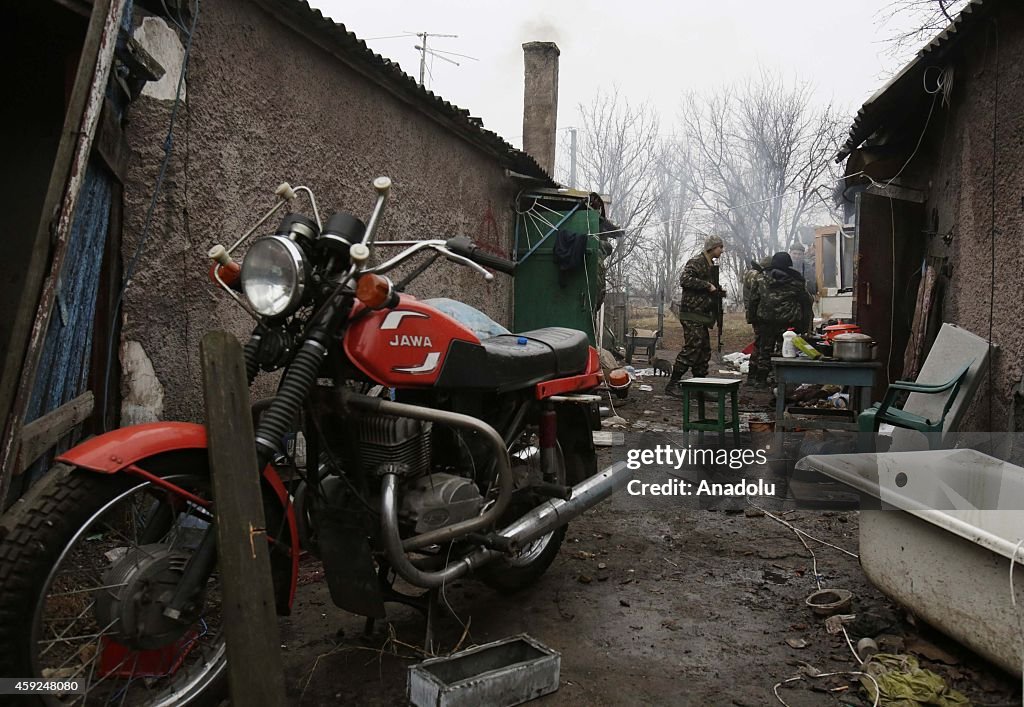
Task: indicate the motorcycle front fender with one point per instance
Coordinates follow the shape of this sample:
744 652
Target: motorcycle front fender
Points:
119 450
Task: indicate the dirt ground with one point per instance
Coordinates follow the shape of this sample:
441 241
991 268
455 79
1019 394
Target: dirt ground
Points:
651 601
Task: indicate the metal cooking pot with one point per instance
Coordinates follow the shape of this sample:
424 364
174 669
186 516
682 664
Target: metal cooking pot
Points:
853 347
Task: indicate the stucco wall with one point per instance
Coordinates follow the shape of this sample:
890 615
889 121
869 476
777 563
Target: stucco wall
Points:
266 106
957 161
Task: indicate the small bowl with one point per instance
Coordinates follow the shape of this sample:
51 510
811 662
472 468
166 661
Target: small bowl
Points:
826 602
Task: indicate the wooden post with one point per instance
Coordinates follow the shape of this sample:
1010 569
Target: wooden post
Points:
255 675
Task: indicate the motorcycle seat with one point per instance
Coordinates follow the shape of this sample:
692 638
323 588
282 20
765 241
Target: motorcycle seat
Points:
515 361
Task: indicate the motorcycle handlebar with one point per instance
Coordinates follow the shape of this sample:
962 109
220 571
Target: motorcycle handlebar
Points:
462 245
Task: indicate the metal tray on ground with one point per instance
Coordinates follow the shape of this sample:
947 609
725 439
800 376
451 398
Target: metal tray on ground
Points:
501 674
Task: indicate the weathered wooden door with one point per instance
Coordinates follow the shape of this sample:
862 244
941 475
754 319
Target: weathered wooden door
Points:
890 246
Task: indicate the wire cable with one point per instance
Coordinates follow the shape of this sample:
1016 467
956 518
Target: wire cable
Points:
892 292
391 36
800 534
776 686
1013 600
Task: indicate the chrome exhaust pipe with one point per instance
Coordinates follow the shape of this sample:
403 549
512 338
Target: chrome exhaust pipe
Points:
549 516
554 513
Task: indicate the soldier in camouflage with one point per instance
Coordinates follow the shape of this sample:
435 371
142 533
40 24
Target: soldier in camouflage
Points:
779 301
701 288
750 279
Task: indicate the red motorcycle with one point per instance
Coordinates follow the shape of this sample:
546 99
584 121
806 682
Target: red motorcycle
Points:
429 452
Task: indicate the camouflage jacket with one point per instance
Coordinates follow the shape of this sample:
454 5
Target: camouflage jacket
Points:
750 279
780 299
697 303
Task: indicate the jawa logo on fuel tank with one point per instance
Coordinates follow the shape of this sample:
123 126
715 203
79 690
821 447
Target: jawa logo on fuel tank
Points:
403 340
394 320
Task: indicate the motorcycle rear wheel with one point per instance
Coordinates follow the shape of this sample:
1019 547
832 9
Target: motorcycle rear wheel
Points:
509 575
93 556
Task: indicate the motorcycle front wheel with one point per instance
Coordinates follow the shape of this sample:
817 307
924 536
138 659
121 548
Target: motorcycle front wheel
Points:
88 562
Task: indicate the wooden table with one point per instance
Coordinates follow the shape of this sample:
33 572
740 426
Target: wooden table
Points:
859 375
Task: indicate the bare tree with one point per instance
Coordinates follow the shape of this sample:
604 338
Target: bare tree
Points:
656 261
617 151
915 22
760 163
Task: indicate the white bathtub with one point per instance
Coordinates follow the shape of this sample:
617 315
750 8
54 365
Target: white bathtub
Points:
943 549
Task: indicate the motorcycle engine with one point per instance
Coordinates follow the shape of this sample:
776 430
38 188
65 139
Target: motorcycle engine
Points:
436 500
429 500
389 440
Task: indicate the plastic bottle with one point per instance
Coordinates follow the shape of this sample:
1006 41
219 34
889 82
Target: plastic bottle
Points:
788 349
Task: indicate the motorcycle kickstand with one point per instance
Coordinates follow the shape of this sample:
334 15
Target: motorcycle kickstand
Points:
433 606
385 586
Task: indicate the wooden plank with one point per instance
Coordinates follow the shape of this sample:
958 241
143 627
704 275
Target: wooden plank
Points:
919 329
249 618
33 310
41 434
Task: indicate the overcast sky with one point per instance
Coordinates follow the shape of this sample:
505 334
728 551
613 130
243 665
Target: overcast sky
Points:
652 51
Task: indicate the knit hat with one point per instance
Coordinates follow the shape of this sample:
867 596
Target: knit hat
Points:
765 262
781 261
713 242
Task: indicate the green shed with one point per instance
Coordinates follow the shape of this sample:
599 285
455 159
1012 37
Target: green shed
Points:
544 294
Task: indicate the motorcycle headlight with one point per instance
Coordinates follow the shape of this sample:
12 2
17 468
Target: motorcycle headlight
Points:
274 276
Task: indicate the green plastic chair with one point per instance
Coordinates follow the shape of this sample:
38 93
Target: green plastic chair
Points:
869 420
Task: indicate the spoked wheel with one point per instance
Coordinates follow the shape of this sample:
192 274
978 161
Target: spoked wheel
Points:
511 574
87 568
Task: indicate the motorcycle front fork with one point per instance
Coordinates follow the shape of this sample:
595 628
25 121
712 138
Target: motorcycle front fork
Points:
200 565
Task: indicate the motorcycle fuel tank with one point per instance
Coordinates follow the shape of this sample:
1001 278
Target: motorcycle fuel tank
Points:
404 347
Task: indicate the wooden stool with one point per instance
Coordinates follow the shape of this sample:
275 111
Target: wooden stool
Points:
720 387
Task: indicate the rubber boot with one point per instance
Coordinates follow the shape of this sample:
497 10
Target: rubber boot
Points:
672 388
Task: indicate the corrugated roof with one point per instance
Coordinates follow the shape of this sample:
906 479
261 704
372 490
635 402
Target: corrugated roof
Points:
872 114
346 45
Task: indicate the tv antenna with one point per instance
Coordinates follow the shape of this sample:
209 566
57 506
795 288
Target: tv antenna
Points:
423 49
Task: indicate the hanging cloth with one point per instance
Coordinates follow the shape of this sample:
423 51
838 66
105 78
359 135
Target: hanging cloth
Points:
570 249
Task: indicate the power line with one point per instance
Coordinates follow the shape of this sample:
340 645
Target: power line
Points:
391 36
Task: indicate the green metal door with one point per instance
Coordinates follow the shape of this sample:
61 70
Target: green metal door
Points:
541 300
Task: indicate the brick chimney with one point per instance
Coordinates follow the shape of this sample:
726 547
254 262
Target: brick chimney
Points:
540 102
